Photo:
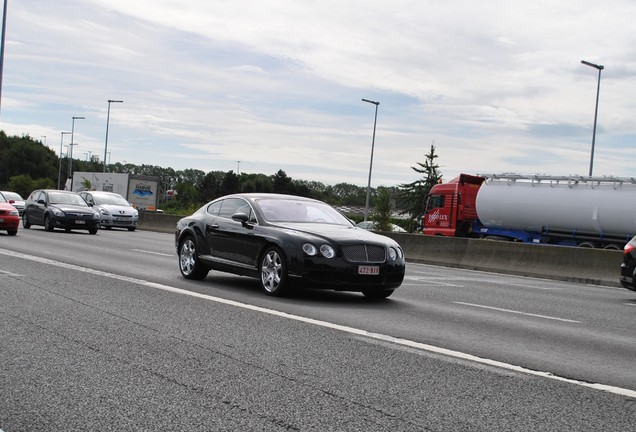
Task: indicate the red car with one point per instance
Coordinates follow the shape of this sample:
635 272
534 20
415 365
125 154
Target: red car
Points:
9 217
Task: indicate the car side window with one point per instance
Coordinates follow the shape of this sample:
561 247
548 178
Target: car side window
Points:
214 208
231 206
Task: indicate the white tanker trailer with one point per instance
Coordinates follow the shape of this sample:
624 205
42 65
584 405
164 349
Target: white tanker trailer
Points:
566 210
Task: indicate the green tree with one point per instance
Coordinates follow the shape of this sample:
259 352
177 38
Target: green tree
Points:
413 195
24 155
382 211
282 183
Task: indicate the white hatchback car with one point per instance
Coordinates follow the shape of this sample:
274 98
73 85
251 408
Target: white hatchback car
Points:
113 209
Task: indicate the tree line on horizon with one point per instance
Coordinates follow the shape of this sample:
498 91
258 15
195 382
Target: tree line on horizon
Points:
27 164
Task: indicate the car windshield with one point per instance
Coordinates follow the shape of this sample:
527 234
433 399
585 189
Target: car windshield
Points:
289 210
12 196
66 198
2 198
114 199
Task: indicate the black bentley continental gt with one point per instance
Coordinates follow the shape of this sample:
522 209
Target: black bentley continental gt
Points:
287 242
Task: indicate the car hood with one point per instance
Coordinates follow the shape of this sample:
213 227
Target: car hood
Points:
117 209
70 208
339 233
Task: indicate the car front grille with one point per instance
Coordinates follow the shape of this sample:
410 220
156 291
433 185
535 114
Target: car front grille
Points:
79 216
363 253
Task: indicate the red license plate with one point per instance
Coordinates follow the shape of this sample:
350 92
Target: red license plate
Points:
368 270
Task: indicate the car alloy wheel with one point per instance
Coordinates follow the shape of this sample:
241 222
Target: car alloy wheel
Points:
189 263
273 272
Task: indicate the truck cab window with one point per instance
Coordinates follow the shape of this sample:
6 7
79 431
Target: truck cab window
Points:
435 201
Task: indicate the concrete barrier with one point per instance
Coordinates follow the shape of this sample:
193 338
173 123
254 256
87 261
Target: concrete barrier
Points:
159 222
583 265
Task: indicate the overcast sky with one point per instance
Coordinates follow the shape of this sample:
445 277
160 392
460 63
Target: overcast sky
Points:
497 86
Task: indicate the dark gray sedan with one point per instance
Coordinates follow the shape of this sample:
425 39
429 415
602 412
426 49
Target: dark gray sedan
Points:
53 208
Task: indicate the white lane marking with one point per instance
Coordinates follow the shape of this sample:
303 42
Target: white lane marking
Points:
8 273
517 312
153 253
433 281
342 328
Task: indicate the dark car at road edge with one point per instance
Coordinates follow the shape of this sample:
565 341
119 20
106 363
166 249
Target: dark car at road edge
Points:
628 266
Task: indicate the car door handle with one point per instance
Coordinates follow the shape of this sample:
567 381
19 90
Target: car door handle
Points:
212 227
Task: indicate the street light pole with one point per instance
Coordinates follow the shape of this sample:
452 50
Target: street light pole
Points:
598 89
70 152
108 121
59 170
375 120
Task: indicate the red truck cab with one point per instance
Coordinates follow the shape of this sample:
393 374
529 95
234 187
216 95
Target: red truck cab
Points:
450 208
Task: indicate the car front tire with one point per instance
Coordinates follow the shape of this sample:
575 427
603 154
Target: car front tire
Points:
273 272
189 264
25 221
47 223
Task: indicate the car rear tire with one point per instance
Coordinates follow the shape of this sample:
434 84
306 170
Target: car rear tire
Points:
132 228
377 294
25 221
273 272
189 264
92 230
47 224
12 232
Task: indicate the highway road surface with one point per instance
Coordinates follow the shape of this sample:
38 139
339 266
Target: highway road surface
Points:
101 332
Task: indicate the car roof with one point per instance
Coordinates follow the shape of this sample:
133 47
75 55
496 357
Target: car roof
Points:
102 193
258 195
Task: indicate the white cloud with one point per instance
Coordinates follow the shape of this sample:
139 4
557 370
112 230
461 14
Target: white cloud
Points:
498 85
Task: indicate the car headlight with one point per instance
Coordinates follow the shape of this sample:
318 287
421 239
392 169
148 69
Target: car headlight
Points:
135 213
395 253
310 249
104 212
14 213
57 212
96 216
327 251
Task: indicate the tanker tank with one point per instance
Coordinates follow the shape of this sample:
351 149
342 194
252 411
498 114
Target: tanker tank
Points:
601 205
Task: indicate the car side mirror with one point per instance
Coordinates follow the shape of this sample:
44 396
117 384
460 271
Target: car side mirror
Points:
241 217
41 201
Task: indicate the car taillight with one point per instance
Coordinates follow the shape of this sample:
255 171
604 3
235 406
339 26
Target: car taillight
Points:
628 248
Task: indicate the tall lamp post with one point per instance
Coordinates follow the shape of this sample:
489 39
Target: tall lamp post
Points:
375 120
4 32
108 121
598 89
59 169
70 153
